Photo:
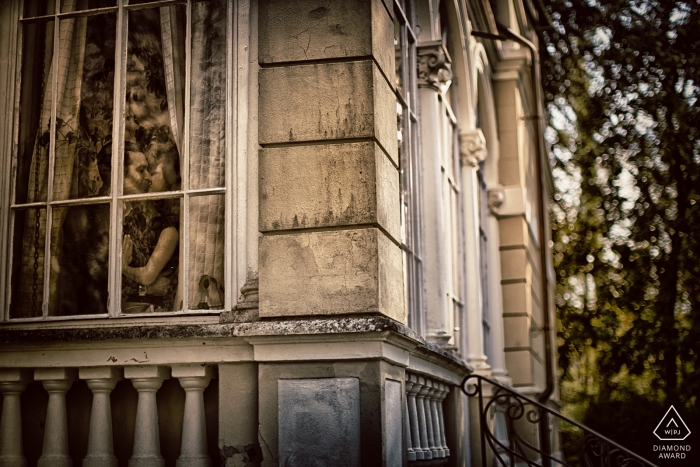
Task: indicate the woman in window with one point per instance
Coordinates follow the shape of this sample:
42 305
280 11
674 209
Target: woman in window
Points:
149 259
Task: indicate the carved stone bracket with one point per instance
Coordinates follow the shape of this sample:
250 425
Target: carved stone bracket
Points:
472 147
496 196
434 66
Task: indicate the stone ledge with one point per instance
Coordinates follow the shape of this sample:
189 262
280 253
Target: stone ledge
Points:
45 333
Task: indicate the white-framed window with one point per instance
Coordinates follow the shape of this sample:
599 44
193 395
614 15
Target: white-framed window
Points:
121 166
452 215
405 43
483 258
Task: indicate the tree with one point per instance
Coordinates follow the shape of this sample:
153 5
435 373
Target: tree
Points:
621 81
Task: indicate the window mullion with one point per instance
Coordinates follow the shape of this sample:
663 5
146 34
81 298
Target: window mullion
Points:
51 162
230 262
185 166
115 230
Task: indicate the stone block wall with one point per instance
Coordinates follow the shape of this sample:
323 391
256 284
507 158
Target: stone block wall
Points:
328 168
519 245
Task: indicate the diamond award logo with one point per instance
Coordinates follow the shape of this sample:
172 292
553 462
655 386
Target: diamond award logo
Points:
672 427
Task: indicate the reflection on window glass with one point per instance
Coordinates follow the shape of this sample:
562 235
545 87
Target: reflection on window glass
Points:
206 258
65 165
399 48
35 101
155 84
80 5
81 164
84 124
33 8
208 95
80 261
28 264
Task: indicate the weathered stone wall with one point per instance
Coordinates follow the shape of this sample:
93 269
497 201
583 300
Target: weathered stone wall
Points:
369 377
328 168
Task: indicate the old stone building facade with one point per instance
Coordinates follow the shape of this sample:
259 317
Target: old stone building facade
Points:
267 232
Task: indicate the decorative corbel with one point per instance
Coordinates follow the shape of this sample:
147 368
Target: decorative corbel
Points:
434 66
472 147
496 197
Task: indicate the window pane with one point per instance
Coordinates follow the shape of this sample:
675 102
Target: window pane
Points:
28 263
82 167
150 256
80 261
78 5
33 8
138 2
155 89
35 102
208 95
206 257
399 50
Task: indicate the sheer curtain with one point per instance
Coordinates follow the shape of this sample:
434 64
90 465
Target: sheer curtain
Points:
69 70
207 149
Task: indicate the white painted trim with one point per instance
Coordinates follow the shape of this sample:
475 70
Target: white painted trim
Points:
128 353
320 351
9 88
424 367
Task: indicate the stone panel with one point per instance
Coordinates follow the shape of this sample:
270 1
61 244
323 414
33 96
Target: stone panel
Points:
327 101
317 30
238 413
319 422
330 273
328 185
393 423
371 375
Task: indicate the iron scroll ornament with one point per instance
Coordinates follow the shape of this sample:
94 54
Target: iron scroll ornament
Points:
510 444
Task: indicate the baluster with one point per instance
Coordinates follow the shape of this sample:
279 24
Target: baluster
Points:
13 382
412 389
194 379
429 390
147 380
101 381
432 398
444 390
410 453
500 431
56 381
422 418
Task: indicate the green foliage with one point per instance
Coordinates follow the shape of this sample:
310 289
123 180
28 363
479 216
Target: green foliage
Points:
621 81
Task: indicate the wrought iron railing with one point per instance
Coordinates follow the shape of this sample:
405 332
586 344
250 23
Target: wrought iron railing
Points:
517 431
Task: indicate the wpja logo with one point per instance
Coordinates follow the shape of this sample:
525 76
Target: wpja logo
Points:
672 428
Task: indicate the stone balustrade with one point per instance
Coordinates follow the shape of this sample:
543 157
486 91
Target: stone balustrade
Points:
425 421
101 381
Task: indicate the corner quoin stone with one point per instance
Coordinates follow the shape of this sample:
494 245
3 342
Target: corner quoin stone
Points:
328 185
328 101
331 273
317 30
